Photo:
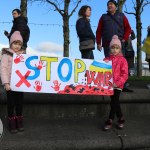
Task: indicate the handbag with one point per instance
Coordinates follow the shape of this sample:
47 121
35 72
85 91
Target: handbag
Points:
87 45
129 52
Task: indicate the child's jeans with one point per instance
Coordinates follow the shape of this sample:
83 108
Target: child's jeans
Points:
14 103
115 105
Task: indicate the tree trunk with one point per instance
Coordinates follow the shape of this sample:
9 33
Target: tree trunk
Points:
139 35
66 30
23 8
120 5
66 35
64 12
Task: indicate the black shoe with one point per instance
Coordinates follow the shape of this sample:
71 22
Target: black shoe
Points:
148 86
127 90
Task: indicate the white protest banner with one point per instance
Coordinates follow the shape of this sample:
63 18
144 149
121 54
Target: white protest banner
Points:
43 74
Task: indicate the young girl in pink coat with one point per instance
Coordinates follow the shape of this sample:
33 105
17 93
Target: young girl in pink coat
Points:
120 75
14 99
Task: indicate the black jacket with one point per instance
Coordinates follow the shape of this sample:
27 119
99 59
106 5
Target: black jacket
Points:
84 30
20 24
148 34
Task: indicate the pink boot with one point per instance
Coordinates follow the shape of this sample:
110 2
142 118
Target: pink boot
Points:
19 121
12 124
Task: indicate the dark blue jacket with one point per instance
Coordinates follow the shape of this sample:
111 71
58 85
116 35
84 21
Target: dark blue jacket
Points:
110 27
148 34
84 30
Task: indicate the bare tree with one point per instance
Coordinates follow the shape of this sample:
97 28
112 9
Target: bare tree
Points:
139 7
23 8
120 5
64 12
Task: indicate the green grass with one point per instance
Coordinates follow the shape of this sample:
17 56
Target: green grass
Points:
143 78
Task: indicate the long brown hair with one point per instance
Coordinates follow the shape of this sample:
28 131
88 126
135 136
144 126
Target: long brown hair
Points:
82 11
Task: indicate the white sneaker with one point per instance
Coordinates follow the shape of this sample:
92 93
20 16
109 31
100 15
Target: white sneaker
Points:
1 128
148 86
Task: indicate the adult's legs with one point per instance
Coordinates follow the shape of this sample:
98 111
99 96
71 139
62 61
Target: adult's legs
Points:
106 51
87 54
123 48
130 64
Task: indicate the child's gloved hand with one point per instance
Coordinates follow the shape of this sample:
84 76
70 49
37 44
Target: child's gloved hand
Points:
7 87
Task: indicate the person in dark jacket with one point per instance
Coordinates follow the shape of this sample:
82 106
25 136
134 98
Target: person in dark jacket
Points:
146 49
112 23
20 24
146 46
85 33
129 51
129 55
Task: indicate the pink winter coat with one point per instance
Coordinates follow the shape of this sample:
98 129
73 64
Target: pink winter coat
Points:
6 65
119 69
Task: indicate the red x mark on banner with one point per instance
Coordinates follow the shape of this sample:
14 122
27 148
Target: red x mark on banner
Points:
23 78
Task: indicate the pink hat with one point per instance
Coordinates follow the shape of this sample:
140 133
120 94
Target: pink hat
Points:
115 40
16 36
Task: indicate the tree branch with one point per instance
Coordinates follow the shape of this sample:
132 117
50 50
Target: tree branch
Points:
79 1
131 13
141 3
146 3
56 7
134 5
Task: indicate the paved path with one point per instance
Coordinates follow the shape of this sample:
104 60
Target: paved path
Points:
78 134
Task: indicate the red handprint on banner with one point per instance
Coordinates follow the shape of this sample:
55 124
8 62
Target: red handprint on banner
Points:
18 59
56 86
38 86
40 65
